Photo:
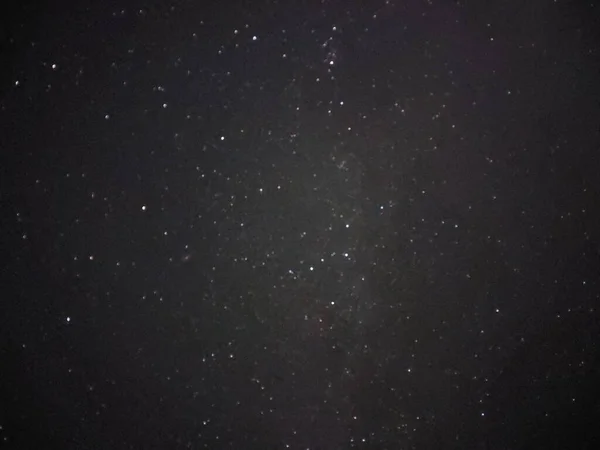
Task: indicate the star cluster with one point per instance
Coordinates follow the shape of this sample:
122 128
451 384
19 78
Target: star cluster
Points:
308 226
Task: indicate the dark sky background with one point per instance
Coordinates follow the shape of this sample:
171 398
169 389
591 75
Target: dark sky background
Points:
304 225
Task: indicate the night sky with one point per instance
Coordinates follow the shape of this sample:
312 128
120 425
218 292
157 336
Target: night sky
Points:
300 224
